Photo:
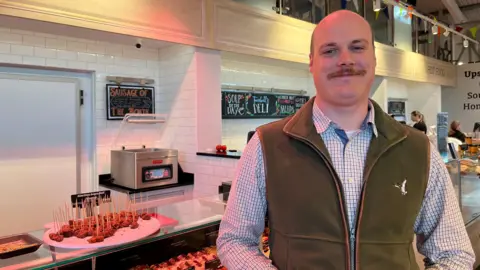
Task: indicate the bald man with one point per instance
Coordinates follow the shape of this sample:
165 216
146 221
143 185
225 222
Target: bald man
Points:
345 186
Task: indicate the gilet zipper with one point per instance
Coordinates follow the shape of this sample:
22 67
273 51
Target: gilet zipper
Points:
350 243
352 248
355 234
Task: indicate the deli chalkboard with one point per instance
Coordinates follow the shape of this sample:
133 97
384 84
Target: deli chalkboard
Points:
123 99
242 105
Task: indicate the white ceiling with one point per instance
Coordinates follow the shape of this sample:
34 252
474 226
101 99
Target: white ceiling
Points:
77 32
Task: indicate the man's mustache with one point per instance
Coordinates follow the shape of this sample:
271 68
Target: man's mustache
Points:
347 72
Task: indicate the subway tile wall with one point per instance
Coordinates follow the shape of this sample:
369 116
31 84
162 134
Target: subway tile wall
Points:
210 172
172 67
174 70
245 70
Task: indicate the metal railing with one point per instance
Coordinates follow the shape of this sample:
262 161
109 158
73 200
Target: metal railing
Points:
390 26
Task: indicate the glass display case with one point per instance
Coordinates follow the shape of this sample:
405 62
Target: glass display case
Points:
197 230
466 183
198 221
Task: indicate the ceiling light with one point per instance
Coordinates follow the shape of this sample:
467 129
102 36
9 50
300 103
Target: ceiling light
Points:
377 5
434 30
465 43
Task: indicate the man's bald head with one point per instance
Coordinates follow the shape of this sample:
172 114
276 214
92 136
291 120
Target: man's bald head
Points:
332 18
343 68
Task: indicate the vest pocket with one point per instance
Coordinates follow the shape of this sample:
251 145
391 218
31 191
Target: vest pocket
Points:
380 256
313 253
278 249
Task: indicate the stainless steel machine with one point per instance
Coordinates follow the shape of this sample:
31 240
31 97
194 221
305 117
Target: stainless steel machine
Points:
144 167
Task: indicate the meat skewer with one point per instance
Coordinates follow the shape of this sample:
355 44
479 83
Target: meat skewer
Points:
54 222
94 217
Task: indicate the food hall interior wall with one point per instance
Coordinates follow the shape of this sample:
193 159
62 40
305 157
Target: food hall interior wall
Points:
246 70
171 66
424 97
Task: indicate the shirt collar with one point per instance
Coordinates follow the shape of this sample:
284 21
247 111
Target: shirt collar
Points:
322 122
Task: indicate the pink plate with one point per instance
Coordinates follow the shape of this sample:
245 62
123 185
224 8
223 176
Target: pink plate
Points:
122 236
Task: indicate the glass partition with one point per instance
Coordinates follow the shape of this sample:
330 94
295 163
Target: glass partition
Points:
306 10
334 5
380 23
267 5
430 41
391 25
470 194
402 29
191 214
464 174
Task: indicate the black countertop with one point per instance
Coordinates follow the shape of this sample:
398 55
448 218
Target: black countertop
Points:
228 154
184 179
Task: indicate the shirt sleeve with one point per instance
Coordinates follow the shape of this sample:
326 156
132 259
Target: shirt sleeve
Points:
244 218
443 239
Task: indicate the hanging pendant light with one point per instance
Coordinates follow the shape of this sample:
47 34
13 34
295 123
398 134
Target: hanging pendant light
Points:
377 5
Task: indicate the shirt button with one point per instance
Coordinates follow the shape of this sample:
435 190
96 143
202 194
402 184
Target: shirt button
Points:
350 179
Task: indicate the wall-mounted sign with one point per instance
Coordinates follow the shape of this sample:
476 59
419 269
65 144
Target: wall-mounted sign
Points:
237 105
397 109
123 99
473 95
436 71
442 133
471 74
463 102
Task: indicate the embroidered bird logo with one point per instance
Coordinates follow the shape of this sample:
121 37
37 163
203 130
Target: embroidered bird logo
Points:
402 187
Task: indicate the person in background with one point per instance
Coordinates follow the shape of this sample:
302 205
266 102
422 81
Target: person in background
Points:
325 177
476 127
419 121
455 131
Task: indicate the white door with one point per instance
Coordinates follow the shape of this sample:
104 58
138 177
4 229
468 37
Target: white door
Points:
39 149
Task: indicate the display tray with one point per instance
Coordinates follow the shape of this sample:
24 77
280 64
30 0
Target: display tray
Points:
121 236
169 250
25 244
165 221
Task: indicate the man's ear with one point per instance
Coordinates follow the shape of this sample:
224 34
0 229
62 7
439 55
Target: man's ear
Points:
310 64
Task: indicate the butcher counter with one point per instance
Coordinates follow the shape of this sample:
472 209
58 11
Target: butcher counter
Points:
196 228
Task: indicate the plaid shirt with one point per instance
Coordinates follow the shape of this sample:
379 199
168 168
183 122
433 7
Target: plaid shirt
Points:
446 242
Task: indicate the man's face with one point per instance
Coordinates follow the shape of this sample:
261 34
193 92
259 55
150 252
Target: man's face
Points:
343 61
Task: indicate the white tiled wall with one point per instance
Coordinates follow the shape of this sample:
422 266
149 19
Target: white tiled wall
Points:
260 72
246 71
211 172
172 68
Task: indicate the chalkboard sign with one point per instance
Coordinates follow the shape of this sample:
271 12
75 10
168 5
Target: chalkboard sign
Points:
123 99
237 105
